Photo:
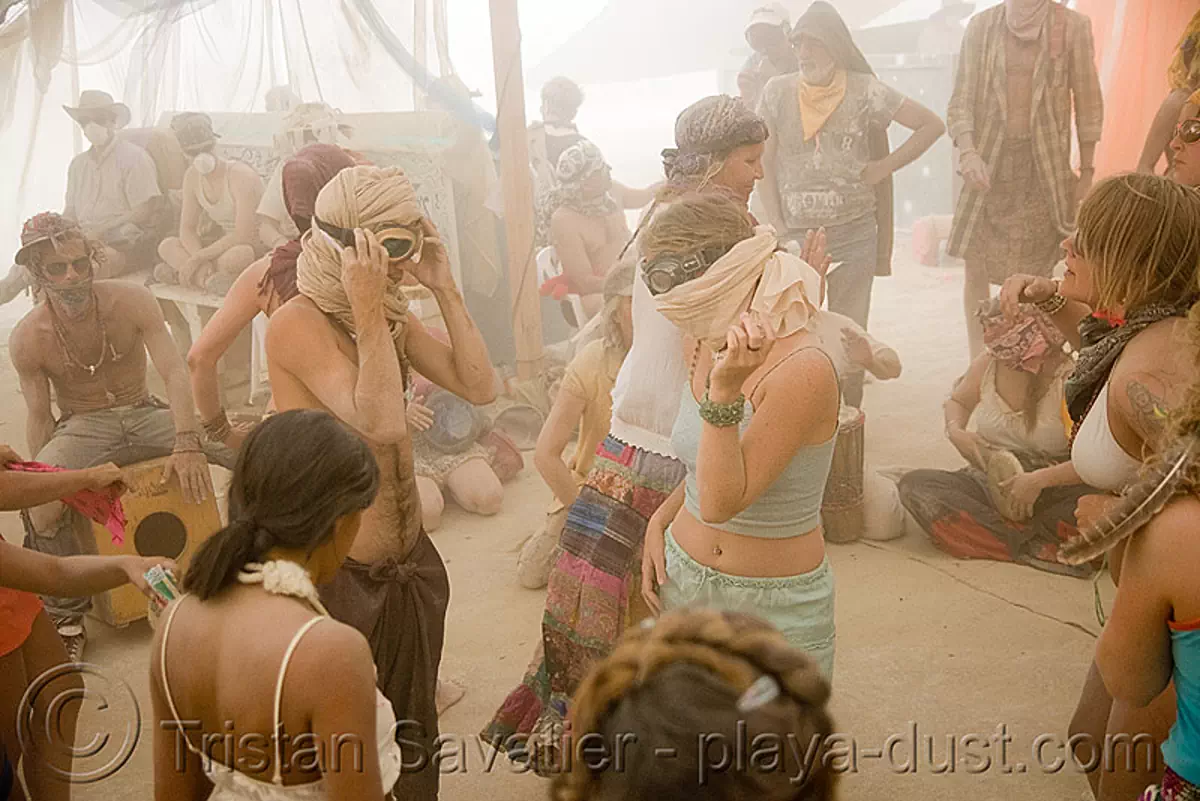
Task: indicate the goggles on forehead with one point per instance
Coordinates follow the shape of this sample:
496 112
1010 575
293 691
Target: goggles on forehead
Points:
672 269
400 242
1188 131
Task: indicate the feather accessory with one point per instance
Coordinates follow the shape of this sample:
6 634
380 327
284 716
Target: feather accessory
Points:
1137 506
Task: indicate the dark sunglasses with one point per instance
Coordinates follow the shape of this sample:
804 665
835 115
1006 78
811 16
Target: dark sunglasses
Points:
58 270
1188 131
400 242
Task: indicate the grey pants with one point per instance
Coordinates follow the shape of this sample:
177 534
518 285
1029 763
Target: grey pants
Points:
126 435
854 244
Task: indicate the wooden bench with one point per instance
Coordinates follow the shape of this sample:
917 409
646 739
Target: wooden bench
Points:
190 301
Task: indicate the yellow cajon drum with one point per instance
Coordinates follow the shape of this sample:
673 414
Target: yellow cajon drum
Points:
158 523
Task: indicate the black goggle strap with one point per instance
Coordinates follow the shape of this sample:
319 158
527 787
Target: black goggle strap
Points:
682 267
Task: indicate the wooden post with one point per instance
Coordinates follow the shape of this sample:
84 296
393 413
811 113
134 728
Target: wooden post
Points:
420 48
517 186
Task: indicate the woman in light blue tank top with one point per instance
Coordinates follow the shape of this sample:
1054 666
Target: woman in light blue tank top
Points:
756 427
1152 639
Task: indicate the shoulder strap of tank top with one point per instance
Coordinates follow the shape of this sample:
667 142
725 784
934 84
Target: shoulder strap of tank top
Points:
278 718
773 367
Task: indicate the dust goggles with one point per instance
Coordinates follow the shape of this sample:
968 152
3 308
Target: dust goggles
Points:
400 242
1188 131
672 269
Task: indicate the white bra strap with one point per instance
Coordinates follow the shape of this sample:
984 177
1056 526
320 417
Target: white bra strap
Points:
287 657
162 664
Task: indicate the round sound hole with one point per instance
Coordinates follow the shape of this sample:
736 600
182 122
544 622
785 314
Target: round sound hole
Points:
161 534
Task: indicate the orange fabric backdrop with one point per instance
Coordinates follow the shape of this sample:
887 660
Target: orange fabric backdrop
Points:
1134 74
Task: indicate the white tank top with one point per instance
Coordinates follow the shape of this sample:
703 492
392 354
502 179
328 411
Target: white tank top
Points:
222 211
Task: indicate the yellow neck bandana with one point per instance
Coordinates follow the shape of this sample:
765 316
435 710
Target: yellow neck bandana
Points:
817 103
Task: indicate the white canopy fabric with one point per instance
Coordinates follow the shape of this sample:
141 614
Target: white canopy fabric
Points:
635 40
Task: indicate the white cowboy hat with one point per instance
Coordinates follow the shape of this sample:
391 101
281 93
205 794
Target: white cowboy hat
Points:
92 100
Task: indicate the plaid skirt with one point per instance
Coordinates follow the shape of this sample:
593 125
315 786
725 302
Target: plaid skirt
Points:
594 589
1016 232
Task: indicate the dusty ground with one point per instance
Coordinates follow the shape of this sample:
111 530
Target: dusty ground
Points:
956 648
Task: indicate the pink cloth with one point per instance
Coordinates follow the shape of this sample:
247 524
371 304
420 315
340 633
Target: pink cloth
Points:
102 506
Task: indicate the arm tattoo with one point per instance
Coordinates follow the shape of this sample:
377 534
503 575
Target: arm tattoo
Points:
1150 412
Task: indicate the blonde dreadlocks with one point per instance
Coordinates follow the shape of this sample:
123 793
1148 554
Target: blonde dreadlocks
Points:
689 675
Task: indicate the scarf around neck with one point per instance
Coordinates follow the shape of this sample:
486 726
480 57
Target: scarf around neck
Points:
753 276
1102 343
1026 19
817 103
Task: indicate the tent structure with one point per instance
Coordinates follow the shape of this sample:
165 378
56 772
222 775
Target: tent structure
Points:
640 39
224 54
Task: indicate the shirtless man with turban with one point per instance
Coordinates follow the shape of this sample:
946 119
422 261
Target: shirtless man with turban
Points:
347 344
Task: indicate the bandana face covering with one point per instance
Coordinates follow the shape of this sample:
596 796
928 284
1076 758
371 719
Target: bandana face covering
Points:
71 299
400 242
1026 17
69 284
753 276
1021 345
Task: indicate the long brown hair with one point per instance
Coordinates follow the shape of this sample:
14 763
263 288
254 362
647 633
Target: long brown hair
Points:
686 676
298 473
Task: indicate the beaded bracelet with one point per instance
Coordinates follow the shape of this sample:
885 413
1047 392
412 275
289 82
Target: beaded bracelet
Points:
218 429
182 434
1051 305
723 415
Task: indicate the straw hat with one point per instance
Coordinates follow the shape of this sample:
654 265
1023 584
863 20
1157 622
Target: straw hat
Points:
93 100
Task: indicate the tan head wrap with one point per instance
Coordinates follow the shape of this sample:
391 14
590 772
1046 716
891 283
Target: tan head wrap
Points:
358 197
753 276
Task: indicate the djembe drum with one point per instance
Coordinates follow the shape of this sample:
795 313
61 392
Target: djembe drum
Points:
158 523
842 511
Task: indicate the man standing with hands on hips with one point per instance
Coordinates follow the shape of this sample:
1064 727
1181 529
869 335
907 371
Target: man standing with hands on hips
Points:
827 163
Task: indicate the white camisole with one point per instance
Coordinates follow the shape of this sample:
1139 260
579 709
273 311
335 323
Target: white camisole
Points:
228 783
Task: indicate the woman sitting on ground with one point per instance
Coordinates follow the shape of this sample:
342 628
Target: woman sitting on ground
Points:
218 227
1133 266
265 286
445 463
1153 635
584 403
254 645
29 644
699 676
1015 501
756 427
